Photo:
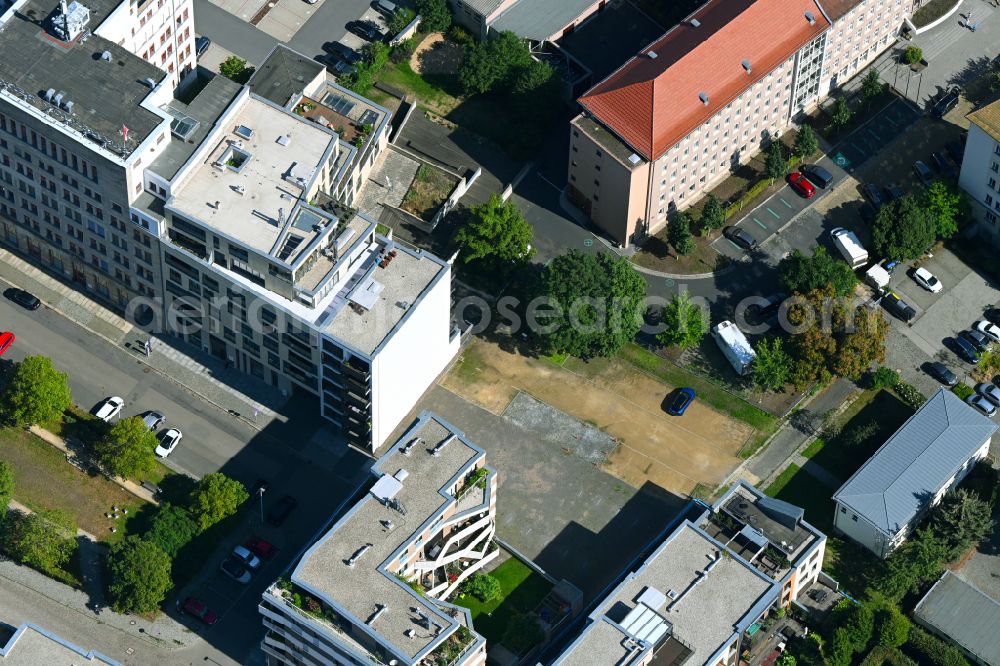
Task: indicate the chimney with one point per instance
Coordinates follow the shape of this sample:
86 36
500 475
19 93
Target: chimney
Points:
746 65
652 55
811 18
703 97
695 23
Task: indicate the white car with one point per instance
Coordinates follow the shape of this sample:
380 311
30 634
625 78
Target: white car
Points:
926 279
248 559
168 442
989 329
109 408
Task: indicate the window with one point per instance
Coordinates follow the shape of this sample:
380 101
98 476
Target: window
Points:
854 518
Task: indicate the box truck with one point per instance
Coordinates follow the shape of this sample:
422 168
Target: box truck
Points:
734 345
849 246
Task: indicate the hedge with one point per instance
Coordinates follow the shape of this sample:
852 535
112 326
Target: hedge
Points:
934 650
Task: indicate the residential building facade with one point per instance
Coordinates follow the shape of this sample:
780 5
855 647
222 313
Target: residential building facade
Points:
374 588
161 32
930 454
980 175
695 599
693 106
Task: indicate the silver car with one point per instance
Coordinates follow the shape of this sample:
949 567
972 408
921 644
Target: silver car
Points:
153 420
989 391
981 404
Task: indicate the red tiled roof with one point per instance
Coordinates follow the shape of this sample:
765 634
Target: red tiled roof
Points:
837 8
651 103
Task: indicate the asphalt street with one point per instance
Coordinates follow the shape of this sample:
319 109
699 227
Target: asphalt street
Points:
232 33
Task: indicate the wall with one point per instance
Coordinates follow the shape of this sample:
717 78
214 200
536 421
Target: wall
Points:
861 531
858 37
980 168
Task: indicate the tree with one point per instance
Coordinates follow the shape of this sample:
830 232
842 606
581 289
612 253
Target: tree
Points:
713 215
686 323
786 659
236 68
893 628
806 143
860 348
944 204
801 274
915 562
44 540
37 392
127 449
859 625
484 587
6 486
871 86
773 366
903 229
776 165
912 55
594 304
494 61
435 15
679 233
961 519
884 378
496 236
530 77
215 498
374 57
171 529
138 575
401 18
523 633
841 114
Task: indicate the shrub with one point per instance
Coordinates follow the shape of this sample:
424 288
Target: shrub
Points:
884 378
460 35
910 395
963 391
912 55
861 433
482 586
172 528
934 650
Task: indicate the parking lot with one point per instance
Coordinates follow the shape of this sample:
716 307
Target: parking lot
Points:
867 141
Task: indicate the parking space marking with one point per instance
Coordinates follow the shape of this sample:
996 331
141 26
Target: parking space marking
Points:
782 200
772 212
733 244
762 226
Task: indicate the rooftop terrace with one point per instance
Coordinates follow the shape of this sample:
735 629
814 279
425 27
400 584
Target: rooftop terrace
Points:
346 568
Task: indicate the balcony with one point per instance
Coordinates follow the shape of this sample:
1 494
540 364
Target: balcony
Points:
357 369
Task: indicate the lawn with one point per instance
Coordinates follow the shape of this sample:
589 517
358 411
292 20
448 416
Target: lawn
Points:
521 591
429 189
43 479
778 484
432 97
797 486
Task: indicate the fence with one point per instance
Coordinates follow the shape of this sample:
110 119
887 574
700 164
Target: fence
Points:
456 194
407 32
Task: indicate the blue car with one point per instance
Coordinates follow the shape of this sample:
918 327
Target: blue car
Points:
680 403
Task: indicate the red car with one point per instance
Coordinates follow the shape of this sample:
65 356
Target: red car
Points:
801 185
198 609
6 340
261 548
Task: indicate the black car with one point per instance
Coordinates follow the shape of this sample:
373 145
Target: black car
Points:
946 103
280 511
874 194
740 238
342 51
956 151
898 307
943 165
894 192
978 339
201 45
817 175
23 298
366 30
940 372
966 350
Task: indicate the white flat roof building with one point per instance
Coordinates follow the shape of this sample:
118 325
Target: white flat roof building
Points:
30 645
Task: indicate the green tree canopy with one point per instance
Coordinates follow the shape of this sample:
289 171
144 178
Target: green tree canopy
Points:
913 55
44 540
679 233
138 576
961 520
236 68
862 344
595 303
776 164
374 57
37 392
126 450
801 274
806 143
903 229
400 19
713 215
492 62
435 15
484 587
772 368
684 321
841 114
171 529
892 627
917 561
215 498
496 236
530 76
786 659
945 204
6 486
871 86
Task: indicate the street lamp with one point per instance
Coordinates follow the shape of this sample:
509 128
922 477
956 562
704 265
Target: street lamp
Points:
260 495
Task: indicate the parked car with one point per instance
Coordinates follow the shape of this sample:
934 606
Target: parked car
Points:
989 391
153 420
23 298
966 349
867 213
340 67
108 408
801 184
201 45
385 8
342 51
893 192
978 339
198 609
740 238
943 164
235 570
989 329
945 103
767 312
260 547
874 194
981 404
280 511
940 372
926 279
168 442
366 30
817 175
898 308
247 558
924 173
6 340
679 404
956 151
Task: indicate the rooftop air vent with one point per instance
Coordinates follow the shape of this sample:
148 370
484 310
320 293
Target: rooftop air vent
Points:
746 65
284 140
106 56
358 554
440 447
811 18
68 105
405 449
49 94
703 97
379 609
58 98
151 83
695 23
652 55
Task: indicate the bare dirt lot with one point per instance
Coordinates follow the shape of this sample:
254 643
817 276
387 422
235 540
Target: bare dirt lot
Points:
676 453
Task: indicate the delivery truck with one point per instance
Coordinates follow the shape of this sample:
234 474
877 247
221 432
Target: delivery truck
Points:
850 247
734 345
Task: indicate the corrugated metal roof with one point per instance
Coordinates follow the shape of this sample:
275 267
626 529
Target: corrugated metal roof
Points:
484 7
963 613
913 464
540 19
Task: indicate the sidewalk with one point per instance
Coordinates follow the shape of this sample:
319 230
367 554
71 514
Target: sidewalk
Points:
228 389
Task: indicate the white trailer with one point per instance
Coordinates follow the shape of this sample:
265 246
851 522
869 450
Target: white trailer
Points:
734 345
849 245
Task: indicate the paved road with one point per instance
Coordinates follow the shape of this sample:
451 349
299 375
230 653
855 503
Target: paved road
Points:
232 33
326 24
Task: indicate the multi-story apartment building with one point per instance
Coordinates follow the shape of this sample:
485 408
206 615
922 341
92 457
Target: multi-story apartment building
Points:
673 121
160 32
980 175
31 644
695 598
374 588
